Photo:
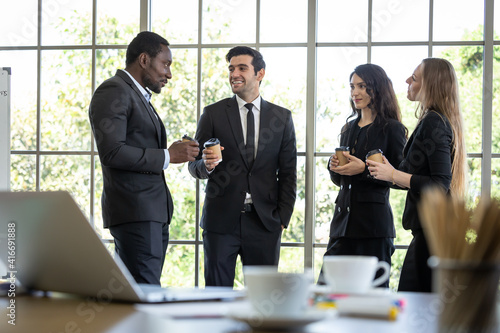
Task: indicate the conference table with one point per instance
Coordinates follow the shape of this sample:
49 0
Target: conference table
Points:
60 313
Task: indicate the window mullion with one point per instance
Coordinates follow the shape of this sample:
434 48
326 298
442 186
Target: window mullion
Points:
487 97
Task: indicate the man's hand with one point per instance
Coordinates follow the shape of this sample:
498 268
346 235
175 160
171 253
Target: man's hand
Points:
210 158
181 152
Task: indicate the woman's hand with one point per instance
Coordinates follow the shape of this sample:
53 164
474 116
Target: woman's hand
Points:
353 167
333 163
381 171
385 171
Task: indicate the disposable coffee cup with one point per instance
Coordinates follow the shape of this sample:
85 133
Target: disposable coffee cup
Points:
214 145
375 155
354 274
186 138
342 159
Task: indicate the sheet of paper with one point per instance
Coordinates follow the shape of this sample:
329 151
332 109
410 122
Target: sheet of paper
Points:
192 310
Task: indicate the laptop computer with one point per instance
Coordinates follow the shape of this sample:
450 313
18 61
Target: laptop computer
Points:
56 249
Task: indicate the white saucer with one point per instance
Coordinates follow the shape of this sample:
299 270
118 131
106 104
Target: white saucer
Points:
286 323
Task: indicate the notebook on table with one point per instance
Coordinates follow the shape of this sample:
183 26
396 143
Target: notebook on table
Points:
56 249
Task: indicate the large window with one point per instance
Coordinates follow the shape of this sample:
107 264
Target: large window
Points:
60 51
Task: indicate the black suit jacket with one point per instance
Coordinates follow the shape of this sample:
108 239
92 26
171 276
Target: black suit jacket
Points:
131 140
272 179
362 206
428 158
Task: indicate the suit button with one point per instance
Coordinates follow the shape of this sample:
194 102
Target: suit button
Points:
341 187
348 210
349 186
338 209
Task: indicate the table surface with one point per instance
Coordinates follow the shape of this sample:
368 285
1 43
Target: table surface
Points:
65 314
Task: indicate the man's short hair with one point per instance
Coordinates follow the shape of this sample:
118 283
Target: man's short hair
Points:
145 41
257 62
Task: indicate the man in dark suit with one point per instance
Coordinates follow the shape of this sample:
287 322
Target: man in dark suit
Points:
136 203
250 194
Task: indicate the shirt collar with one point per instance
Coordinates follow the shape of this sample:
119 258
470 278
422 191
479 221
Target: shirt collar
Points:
144 91
256 102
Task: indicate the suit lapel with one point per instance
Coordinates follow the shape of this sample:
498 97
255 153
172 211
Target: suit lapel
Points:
264 127
350 139
233 115
160 129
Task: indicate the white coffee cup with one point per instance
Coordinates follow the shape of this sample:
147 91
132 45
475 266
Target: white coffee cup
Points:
354 274
275 295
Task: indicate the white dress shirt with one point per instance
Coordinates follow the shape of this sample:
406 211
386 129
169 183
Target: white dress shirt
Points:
147 96
243 115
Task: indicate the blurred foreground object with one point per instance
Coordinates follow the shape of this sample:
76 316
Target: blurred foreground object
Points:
466 260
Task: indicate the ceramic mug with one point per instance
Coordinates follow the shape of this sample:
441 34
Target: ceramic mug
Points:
354 274
275 294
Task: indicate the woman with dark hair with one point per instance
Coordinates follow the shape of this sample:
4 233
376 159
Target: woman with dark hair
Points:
362 223
434 156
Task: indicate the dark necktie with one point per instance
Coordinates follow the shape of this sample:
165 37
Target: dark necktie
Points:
250 147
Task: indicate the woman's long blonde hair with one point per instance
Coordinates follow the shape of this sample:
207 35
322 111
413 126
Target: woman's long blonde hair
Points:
439 93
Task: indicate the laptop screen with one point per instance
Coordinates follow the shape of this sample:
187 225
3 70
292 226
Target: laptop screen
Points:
56 248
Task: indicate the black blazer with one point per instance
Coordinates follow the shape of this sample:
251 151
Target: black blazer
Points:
428 158
362 206
272 179
131 140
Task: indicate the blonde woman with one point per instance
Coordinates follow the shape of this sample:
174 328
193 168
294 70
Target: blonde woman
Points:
433 156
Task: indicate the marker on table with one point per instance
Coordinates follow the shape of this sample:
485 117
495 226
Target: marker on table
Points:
386 307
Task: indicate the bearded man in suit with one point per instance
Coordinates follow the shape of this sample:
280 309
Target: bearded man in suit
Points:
250 194
136 203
